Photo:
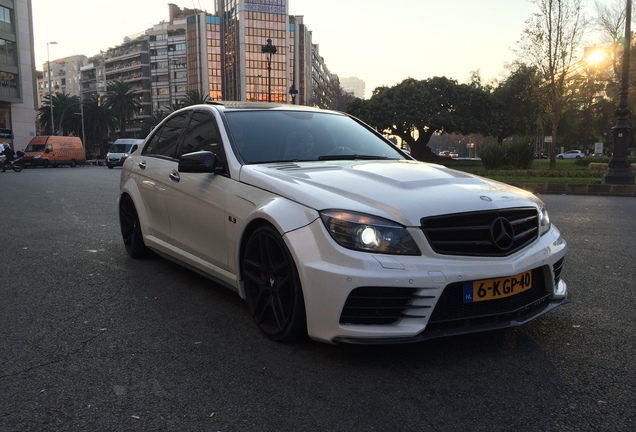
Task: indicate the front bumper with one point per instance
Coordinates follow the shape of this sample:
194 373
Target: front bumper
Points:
330 274
115 161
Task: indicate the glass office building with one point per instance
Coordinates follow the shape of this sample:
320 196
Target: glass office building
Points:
246 26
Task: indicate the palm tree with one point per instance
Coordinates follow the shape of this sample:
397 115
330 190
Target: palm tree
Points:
193 97
98 122
61 102
121 100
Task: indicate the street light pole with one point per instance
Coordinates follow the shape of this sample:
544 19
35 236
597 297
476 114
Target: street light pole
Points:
619 172
293 92
269 50
48 67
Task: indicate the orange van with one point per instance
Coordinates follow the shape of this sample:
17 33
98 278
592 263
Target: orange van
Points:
54 151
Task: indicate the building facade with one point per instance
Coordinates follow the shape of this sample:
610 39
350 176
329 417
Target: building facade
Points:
168 60
65 76
354 85
17 79
219 56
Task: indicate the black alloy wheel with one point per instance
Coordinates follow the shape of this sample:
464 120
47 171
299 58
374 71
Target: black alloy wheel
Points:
272 287
131 229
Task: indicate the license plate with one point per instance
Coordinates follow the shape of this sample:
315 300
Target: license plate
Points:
493 289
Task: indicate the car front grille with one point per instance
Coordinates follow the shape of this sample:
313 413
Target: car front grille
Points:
451 311
383 305
496 233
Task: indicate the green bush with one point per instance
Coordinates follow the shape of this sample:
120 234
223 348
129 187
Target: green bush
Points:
494 156
517 155
520 155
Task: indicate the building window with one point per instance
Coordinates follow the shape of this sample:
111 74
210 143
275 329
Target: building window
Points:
6 20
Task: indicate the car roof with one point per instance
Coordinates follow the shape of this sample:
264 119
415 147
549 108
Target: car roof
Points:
244 106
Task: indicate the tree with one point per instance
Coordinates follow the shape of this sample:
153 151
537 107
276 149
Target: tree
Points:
60 101
517 102
97 123
549 42
122 101
415 110
193 97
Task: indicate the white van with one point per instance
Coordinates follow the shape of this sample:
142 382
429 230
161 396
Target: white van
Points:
120 150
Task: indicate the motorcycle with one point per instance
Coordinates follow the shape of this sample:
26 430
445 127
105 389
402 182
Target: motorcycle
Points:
15 164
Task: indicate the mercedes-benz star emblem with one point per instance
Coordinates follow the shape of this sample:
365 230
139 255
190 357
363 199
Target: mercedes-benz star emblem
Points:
502 233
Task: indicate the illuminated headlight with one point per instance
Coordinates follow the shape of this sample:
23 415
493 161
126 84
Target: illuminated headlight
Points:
367 233
544 221
125 155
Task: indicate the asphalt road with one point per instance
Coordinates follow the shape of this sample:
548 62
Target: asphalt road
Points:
91 340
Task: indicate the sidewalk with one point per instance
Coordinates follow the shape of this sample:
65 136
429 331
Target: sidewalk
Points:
578 189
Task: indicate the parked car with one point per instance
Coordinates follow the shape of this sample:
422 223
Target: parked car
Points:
571 154
541 154
448 153
327 229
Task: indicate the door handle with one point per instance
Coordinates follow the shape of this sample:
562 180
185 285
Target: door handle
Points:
174 176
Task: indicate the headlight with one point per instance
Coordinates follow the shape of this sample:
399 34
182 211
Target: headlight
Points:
367 233
544 221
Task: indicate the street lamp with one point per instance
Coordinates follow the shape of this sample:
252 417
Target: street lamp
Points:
619 172
293 92
48 66
269 50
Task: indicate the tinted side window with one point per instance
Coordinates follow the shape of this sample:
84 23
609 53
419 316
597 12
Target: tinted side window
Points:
201 134
165 141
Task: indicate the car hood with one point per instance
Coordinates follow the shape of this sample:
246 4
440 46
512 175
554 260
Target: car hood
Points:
403 191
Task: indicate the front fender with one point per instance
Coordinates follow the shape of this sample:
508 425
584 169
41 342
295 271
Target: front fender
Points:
283 214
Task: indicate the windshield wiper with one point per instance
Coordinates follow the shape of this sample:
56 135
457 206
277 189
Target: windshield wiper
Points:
350 157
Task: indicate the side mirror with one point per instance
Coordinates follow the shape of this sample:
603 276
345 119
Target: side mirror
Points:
200 162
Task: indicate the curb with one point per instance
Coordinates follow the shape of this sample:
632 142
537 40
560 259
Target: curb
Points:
578 189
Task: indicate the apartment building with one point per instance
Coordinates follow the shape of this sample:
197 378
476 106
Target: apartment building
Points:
221 56
64 77
17 79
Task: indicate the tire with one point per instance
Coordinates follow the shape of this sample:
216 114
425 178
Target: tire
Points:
131 229
46 163
109 166
73 163
17 166
272 287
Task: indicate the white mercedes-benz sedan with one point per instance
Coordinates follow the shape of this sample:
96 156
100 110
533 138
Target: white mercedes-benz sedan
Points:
328 230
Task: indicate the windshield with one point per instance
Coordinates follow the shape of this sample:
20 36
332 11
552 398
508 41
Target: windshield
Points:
287 136
119 148
35 148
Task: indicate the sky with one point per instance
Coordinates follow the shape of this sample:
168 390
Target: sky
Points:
379 41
